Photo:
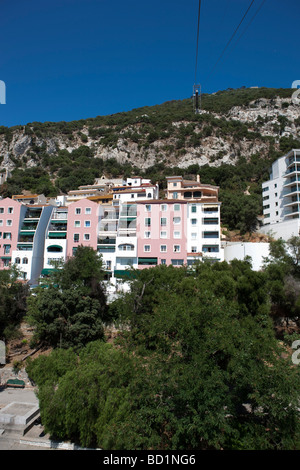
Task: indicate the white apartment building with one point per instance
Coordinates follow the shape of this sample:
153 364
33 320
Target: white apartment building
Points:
56 239
203 232
281 197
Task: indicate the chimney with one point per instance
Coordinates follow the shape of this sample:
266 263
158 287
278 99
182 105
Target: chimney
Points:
198 178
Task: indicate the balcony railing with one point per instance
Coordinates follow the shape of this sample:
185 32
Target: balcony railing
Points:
106 241
60 216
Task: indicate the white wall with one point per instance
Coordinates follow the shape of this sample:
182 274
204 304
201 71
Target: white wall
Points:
284 230
240 250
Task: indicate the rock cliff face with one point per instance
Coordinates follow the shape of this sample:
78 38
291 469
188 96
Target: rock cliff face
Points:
213 138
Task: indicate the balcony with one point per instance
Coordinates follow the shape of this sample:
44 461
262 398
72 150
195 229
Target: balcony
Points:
106 241
33 214
23 238
29 225
57 227
60 216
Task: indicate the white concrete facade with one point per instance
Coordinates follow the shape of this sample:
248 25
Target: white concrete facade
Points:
241 250
281 197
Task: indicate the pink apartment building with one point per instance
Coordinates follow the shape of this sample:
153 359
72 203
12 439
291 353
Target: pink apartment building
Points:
161 232
10 216
83 225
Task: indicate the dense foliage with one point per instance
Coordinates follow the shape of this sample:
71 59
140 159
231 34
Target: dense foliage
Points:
196 366
69 307
13 296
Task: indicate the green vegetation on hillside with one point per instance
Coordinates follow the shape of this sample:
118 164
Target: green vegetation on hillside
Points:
62 171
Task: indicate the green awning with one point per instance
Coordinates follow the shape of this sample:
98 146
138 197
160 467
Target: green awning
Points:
46 272
5 257
57 234
147 261
123 273
24 232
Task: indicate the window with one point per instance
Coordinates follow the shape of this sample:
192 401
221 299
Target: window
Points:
163 221
176 220
0 235
6 236
176 248
211 235
86 236
10 210
25 261
76 237
7 249
88 210
194 236
147 248
194 209
163 234
174 185
148 222
1 223
1 210
147 234
9 223
77 223
175 195
77 211
148 207
163 248
194 221
126 247
17 261
210 221
176 207
194 249
163 207
177 262
54 249
87 223
177 234
210 248
162 261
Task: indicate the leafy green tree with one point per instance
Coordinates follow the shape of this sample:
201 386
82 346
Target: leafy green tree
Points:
13 294
69 308
195 370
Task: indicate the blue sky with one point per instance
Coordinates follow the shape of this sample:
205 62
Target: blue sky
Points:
73 59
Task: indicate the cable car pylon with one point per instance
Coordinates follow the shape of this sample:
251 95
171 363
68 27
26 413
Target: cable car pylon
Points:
197 99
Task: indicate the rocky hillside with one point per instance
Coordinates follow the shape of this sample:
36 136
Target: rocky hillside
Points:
168 133
233 126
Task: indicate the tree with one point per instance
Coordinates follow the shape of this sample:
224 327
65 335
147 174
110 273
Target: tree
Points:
70 307
13 294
